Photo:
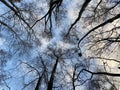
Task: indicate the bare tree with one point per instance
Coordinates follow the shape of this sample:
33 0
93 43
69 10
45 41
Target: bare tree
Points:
60 44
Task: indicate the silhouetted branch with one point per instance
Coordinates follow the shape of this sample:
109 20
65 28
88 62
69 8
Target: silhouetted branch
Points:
39 81
50 83
110 59
16 12
102 24
85 4
97 5
52 5
10 28
101 73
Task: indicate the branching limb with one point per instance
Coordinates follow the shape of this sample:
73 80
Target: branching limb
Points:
102 24
85 4
101 73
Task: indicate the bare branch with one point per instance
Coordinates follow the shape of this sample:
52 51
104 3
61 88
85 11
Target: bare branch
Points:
16 12
102 24
50 83
79 16
102 73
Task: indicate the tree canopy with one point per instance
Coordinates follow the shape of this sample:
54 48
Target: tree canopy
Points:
59 44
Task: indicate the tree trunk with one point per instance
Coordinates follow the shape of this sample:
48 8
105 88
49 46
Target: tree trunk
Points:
50 83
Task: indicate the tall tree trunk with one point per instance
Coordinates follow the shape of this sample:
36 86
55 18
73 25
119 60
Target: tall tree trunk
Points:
39 81
50 83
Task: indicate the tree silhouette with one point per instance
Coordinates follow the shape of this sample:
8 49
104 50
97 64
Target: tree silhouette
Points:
59 44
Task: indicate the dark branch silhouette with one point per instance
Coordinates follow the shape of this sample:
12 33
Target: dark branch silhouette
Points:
85 4
102 24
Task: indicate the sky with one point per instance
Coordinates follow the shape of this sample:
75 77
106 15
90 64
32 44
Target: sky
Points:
71 7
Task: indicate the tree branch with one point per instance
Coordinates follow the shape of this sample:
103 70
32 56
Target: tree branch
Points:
102 73
102 24
8 27
85 4
16 12
50 83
